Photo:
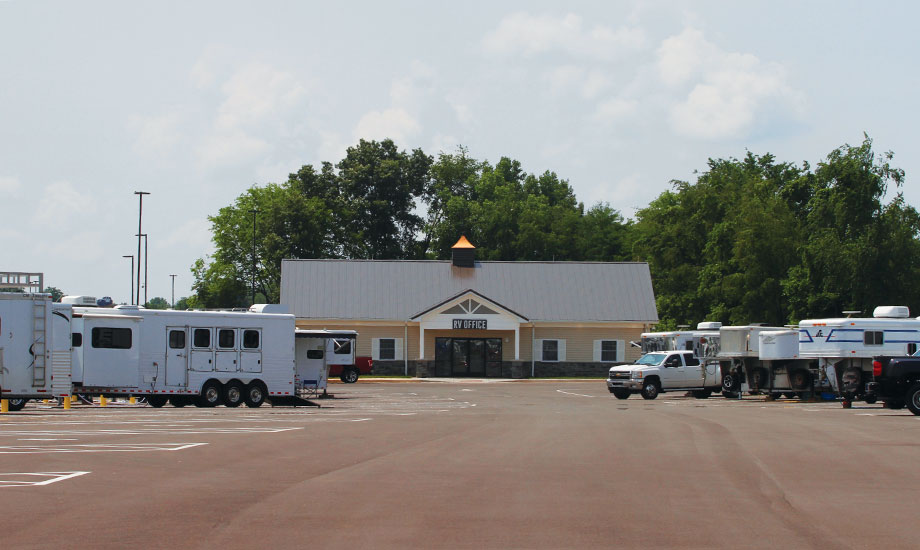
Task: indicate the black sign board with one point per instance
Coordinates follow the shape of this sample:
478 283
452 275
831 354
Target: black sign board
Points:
475 324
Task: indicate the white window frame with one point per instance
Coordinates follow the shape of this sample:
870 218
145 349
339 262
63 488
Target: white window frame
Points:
397 349
599 354
560 350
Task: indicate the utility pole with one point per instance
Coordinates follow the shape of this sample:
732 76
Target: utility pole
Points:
144 235
131 299
254 212
140 214
173 291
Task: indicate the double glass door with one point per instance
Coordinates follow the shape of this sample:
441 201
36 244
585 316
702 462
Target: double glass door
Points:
476 357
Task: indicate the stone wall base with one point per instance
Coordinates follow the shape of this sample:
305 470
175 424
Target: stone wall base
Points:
509 369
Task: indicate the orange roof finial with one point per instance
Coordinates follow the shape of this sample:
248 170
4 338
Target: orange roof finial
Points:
463 243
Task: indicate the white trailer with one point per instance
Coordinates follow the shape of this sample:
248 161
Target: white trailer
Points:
315 350
757 358
843 348
704 341
187 357
35 348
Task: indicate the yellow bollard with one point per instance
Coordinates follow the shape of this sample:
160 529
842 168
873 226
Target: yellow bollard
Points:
102 401
67 403
45 401
74 399
132 400
4 406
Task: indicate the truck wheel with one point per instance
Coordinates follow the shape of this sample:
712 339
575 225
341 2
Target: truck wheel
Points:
650 389
894 405
871 399
730 383
913 399
350 376
702 394
620 393
233 394
254 395
16 404
156 401
210 394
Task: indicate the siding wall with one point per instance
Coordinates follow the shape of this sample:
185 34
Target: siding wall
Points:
579 342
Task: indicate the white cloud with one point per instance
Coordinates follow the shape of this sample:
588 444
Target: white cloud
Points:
526 34
9 185
723 94
194 234
616 108
61 201
230 149
394 123
156 135
257 93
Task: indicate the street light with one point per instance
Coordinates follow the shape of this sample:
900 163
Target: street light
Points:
173 291
140 213
131 276
254 212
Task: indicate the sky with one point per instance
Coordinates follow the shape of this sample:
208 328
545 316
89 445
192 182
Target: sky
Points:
195 102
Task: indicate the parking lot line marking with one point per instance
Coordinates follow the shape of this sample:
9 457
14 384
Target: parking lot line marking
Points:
48 439
97 448
570 393
23 479
128 431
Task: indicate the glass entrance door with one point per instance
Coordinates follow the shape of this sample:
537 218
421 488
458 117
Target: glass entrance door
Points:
468 357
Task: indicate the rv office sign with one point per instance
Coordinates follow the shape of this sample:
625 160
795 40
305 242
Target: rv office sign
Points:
475 324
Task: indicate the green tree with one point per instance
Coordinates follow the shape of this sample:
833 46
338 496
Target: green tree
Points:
56 293
157 303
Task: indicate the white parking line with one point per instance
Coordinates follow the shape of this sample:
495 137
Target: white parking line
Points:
570 393
97 448
150 431
34 479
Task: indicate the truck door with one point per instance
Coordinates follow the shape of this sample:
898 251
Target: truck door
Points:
671 372
228 355
176 356
201 357
692 372
251 354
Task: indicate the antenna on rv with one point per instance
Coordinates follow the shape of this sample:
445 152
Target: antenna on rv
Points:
851 313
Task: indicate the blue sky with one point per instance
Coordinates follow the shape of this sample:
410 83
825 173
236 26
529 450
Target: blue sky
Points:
196 101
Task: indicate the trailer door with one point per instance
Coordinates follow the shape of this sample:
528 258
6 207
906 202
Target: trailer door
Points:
176 355
227 357
251 354
202 354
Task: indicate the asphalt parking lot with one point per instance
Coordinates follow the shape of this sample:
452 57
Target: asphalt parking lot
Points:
527 464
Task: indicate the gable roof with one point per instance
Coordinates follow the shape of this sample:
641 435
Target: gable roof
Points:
399 289
466 292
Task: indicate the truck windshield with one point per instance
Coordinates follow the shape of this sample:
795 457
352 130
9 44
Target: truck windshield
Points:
651 359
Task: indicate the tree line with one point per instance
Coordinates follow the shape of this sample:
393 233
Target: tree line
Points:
751 240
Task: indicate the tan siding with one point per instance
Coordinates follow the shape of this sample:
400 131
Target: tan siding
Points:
579 342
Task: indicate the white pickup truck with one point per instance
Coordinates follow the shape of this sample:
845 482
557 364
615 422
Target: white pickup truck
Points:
664 371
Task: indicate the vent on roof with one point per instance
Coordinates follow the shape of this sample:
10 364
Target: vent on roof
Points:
463 253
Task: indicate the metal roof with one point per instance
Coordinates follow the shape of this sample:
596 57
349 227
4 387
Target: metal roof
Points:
399 289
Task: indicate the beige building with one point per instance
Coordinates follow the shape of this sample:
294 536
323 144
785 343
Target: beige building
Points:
482 319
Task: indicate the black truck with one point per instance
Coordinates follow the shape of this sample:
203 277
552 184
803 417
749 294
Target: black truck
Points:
896 382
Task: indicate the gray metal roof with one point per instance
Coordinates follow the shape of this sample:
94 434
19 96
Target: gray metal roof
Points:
399 289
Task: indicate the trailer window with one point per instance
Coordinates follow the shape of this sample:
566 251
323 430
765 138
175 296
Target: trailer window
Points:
177 339
251 339
874 338
76 339
314 354
225 338
202 338
112 338
342 347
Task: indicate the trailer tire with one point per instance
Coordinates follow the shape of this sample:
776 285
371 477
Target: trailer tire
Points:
156 401
650 389
255 394
620 393
800 379
233 394
16 404
178 401
211 394
871 399
350 375
913 399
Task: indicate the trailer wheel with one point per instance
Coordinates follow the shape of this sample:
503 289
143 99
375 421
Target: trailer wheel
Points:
650 389
16 404
210 394
350 375
620 393
156 401
913 399
233 394
800 379
254 395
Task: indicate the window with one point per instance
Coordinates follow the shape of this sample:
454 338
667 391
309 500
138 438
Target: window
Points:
202 338
314 354
112 338
608 350
911 348
177 339
342 347
251 339
387 349
874 338
226 338
691 361
550 350
76 339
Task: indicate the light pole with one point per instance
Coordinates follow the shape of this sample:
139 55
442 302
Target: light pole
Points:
144 235
173 291
131 276
140 214
254 212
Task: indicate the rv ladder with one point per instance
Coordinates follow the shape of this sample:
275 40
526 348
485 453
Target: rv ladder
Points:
39 340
